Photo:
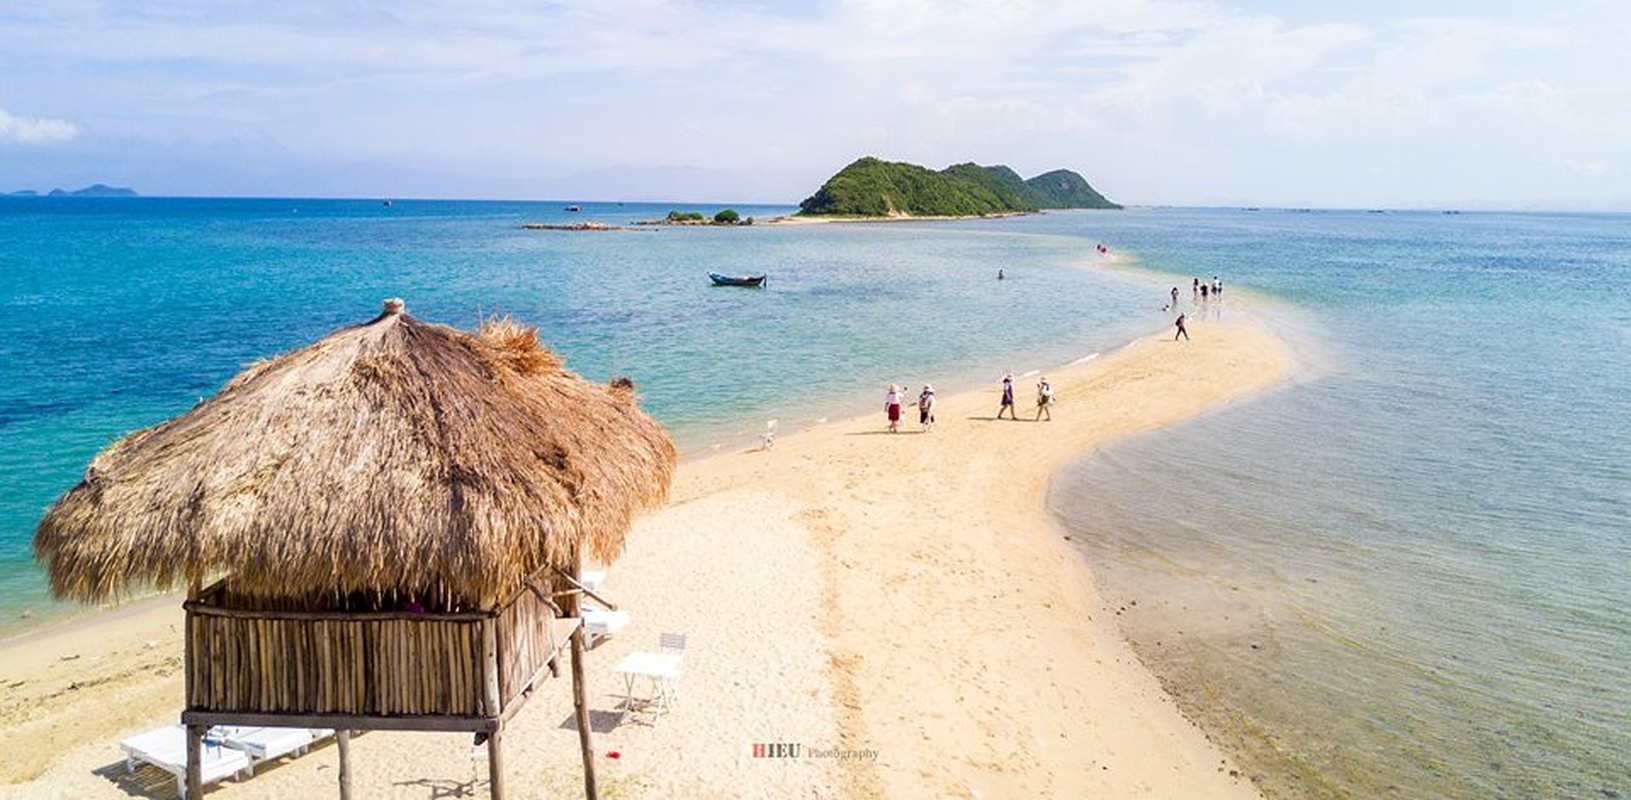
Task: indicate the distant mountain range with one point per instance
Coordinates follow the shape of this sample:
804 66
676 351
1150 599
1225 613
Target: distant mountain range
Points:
871 187
96 190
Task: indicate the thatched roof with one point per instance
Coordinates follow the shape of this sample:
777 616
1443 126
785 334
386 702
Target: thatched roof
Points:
391 457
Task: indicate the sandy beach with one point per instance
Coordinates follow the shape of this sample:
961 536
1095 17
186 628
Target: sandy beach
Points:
900 605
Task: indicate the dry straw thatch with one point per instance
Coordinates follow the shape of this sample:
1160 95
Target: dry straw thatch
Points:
392 459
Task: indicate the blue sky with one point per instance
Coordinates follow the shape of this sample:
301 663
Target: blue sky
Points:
1437 103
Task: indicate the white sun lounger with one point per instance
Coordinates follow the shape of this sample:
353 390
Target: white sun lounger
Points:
598 623
166 748
592 578
265 744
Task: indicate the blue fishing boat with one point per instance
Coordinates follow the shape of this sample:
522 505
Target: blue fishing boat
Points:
737 280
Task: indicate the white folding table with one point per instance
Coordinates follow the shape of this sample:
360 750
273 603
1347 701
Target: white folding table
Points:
663 669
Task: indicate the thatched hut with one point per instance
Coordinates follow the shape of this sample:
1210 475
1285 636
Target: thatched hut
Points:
383 530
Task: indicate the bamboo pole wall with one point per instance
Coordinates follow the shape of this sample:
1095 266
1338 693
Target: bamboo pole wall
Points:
367 664
372 665
525 643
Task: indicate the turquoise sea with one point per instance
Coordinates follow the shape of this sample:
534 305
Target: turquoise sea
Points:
1404 573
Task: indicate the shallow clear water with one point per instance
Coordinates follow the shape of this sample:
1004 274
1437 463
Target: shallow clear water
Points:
1407 573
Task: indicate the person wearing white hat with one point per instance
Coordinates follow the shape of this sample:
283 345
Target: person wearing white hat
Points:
925 408
891 406
1044 399
1008 398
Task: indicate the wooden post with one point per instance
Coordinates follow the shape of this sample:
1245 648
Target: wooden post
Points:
342 737
188 631
574 608
195 761
492 704
495 764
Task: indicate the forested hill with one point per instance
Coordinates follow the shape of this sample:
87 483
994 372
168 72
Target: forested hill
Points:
874 188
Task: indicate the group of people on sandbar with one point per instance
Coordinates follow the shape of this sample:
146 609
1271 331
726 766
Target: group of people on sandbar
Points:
1201 294
1044 399
895 400
1201 291
925 407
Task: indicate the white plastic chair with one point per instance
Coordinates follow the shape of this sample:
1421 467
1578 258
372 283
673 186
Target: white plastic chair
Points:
672 645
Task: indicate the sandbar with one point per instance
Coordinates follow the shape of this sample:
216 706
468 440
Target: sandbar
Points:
901 606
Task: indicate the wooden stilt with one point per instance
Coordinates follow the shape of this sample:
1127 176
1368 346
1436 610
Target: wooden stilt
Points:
342 737
580 701
495 765
195 761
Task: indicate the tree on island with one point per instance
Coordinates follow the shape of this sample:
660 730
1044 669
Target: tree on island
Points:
728 216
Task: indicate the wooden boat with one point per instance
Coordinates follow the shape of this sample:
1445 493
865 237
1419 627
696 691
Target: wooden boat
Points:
737 280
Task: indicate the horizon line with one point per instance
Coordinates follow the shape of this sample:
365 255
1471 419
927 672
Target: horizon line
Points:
27 194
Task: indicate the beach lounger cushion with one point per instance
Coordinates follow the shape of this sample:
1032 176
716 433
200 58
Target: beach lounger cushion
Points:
265 744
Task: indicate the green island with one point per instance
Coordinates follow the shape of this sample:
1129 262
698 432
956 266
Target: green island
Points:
871 187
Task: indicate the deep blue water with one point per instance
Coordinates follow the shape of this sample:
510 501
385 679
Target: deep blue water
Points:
1403 574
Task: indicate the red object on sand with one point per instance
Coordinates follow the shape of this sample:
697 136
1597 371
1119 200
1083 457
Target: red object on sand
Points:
613 754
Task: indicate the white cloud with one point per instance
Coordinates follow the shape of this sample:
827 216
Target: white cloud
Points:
1167 99
23 130
1516 96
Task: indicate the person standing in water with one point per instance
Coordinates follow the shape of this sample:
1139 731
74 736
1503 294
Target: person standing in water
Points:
1008 398
1174 298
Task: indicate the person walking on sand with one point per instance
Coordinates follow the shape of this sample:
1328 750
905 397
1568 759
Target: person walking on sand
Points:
1044 398
891 406
925 408
1179 322
1008 398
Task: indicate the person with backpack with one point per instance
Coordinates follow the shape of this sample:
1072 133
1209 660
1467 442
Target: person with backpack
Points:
1044 399
925 408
